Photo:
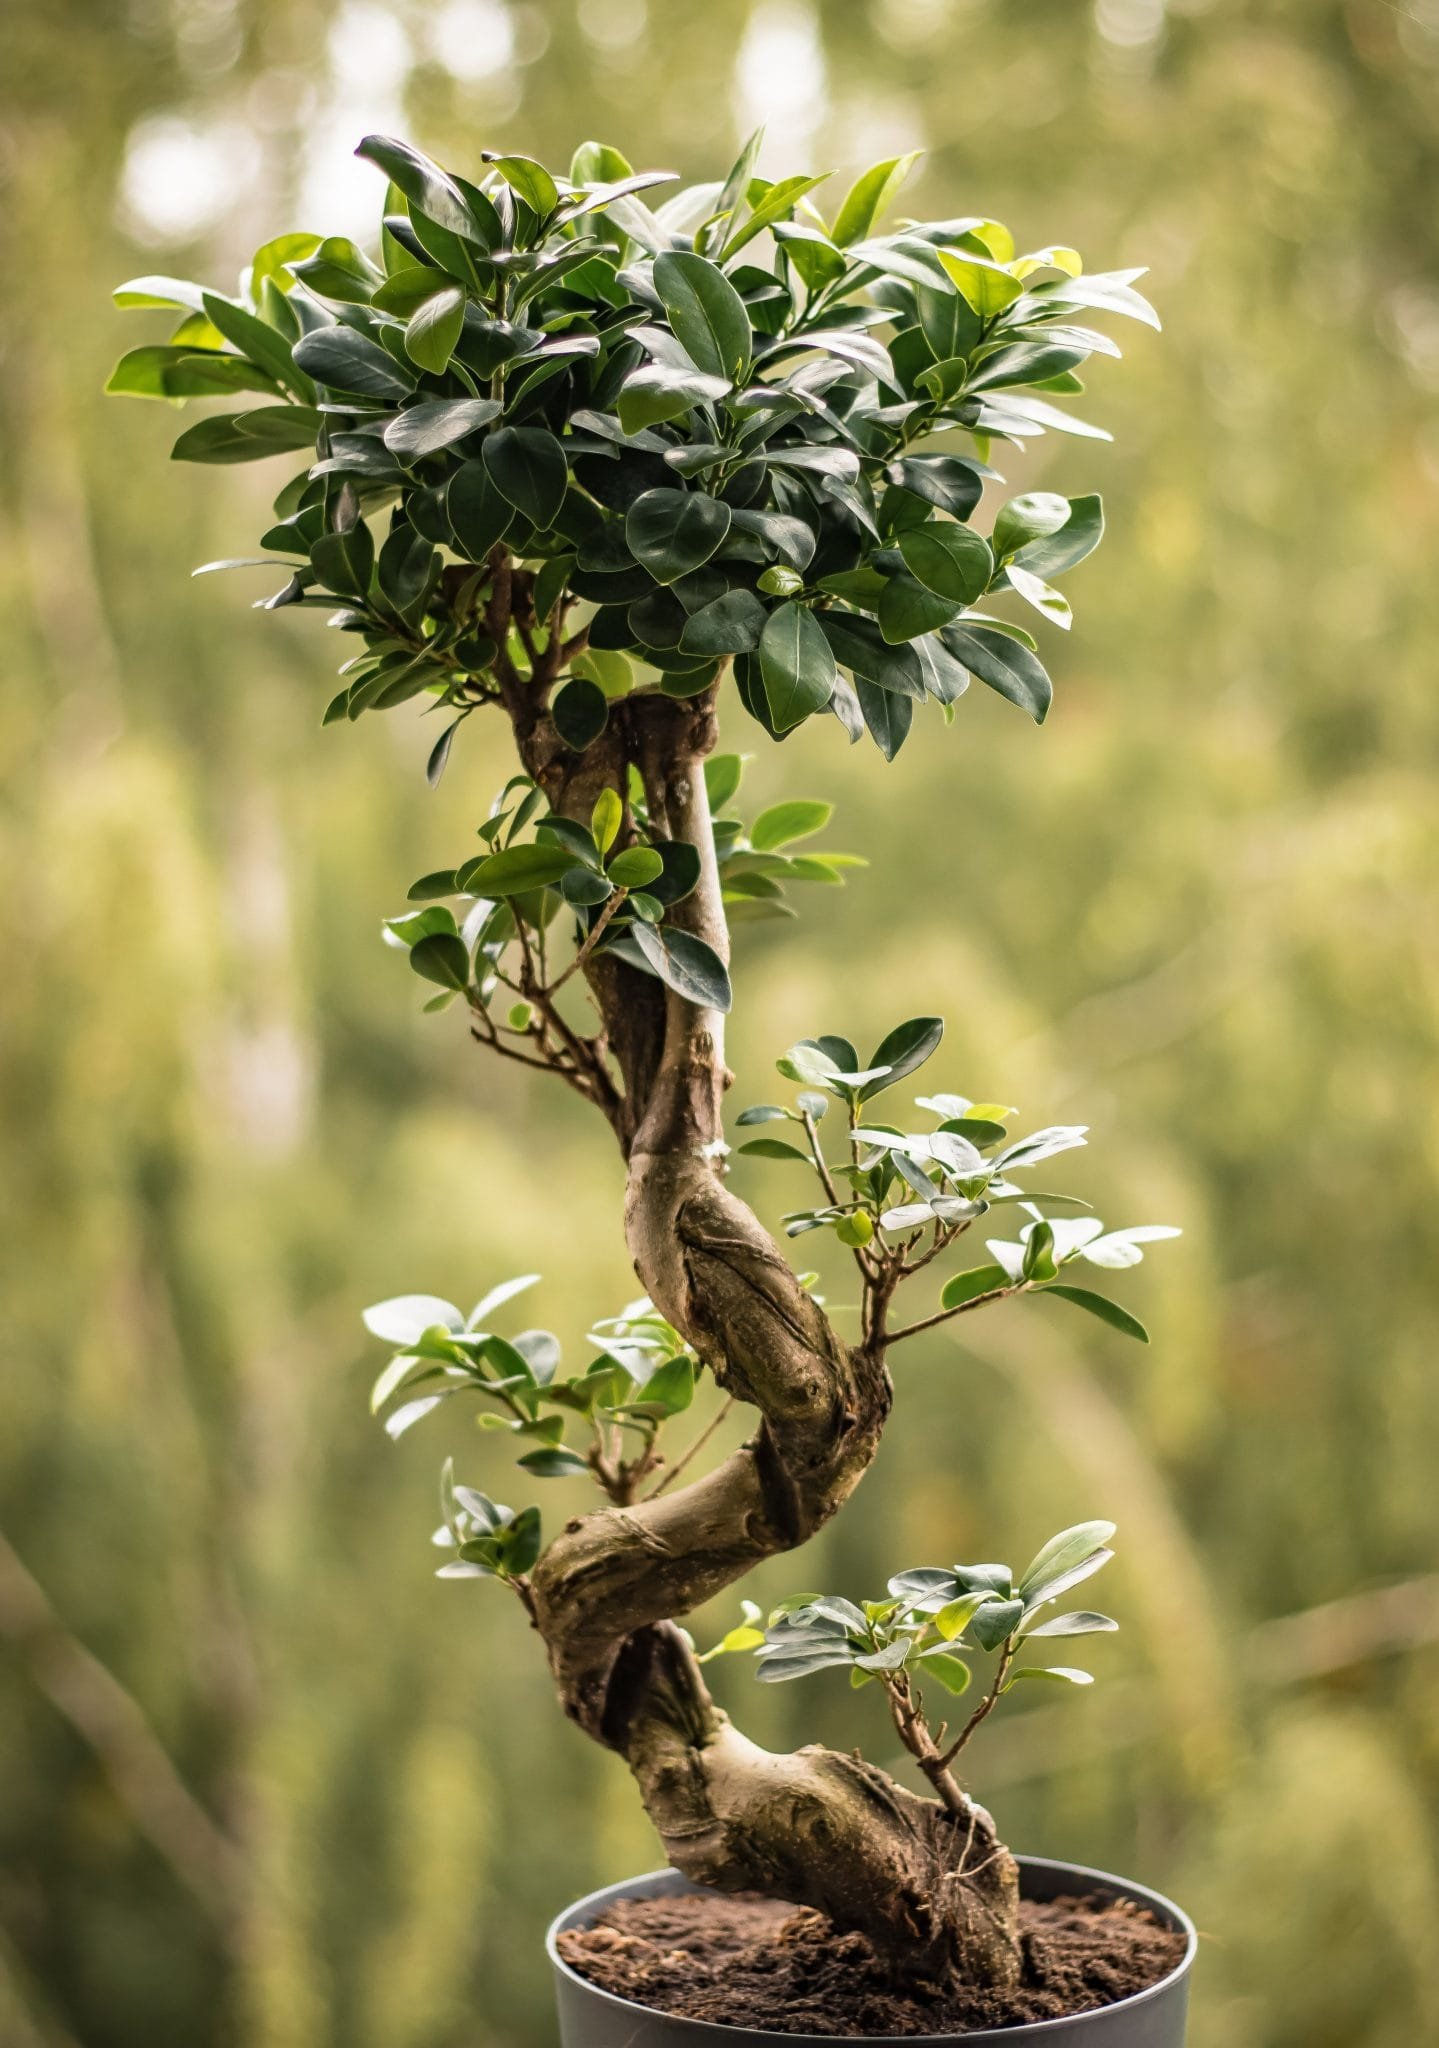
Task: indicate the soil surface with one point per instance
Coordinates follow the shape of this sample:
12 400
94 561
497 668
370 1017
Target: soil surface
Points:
753 1962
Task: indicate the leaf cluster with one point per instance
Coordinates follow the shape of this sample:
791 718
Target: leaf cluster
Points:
708 425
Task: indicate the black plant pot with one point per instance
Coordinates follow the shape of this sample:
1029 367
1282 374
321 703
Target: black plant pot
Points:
591 2018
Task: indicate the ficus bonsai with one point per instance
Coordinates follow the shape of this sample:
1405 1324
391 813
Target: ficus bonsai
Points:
609 473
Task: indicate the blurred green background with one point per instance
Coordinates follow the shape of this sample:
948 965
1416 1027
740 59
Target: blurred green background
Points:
265 1783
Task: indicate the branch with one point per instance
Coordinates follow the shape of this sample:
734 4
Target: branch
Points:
688 1458
945 1315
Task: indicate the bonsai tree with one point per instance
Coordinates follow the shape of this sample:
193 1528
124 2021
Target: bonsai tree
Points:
612 472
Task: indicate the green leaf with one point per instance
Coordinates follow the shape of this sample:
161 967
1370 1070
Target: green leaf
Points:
670 1388
553 1461
1081 1623
223 438
580 713
1059 1556
722 778
347 361
344 560
953 1619
886 714
796 666
530 179
774 1148
1004 664
606 819
664 391
434 328
255 338
777 203
169 371
963 1287
707 314
518 868
673 532
994 1621
988 287
434 191
444 958
690 967
1100 1305
435 424
904 1049
782 823
1080 535
479 513
731 624
907 610
868 197
529 468
952 560
636 867
1027 518
952 1672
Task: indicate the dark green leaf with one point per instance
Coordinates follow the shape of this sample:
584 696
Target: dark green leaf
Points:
731 624
690 967
951 560
994 1621
479 514
347 361
673 532
1004 664
663 391
796 665
528 466
434 191
902 1050
887 716
775 1148
580 713
435 424
908 610
442 957
1100 1305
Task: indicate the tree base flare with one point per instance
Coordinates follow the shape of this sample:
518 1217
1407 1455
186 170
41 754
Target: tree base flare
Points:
752 1962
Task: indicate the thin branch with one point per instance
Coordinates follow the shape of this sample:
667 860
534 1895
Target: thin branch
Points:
811 1131
592 939
945 1315
695 1448
983 1710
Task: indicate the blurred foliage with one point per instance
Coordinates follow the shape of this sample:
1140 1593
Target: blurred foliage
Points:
1199 908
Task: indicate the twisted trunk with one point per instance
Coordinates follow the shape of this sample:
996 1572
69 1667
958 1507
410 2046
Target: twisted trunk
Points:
933 1888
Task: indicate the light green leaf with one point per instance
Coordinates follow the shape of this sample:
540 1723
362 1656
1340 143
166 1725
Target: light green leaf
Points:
783 823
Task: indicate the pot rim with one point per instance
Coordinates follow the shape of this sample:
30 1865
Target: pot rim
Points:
1007 2037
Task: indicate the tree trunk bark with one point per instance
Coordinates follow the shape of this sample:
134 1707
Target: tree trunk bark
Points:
934 1889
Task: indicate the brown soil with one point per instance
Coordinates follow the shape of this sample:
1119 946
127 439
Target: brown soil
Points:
753 1962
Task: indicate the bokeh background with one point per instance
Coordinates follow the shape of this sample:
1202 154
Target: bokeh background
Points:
265 1783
